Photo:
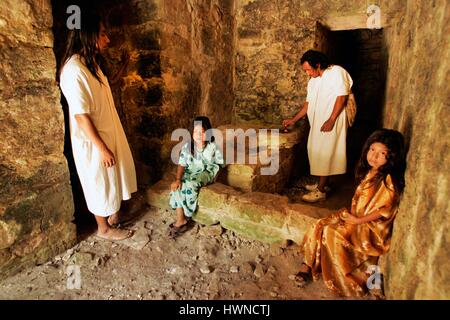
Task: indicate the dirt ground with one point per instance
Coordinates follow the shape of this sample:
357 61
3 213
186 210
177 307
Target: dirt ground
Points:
207 262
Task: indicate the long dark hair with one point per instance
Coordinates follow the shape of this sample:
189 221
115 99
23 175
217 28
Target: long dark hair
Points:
315 58
83 42
396 160
206 125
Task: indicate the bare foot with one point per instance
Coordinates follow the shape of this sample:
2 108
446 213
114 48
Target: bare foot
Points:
115 234
113 220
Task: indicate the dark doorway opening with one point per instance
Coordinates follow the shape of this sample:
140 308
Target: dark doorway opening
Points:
363 53
83 218
138 106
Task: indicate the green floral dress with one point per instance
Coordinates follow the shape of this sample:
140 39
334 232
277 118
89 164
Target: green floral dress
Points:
198 172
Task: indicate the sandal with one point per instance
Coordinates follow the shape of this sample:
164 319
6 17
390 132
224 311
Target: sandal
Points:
302 277
175 231
123 222
117 225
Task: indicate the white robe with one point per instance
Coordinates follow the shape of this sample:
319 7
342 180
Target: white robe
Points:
104 188
327 150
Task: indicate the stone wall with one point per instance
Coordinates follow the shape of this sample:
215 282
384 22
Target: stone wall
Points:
271 38
181 66
36 207
418 266
272 35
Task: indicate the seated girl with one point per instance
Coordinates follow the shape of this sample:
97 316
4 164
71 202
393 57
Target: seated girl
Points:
198 166
344 245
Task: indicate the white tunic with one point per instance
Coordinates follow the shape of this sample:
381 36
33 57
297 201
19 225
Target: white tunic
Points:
104 188
327 150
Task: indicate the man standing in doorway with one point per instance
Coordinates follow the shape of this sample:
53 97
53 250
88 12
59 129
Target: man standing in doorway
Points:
327 94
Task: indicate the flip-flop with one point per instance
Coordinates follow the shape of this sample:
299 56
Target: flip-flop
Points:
114 225
302 277
175 232
120 224
128 235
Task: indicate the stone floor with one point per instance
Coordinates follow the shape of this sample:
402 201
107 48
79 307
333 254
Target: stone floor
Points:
266 217
207 262
204 263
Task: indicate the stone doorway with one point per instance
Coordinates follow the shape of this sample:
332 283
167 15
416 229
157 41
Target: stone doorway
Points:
138 92
363 53
177 51
83 219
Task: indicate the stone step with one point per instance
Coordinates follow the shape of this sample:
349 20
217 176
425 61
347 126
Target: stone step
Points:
256 215
265 164
249 178
284 140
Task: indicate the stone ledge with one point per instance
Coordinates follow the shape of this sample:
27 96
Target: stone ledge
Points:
263 155
256 215
284 141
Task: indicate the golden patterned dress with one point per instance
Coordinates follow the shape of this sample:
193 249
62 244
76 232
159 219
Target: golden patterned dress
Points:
343 252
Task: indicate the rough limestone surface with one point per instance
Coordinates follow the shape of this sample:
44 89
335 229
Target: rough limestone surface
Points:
221 58
36 206
418 266
271 37
258 157
261 216
180 65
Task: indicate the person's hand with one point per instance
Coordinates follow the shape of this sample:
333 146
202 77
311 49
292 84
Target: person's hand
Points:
327 125
288 122
343 213
349 218
108 158
175 185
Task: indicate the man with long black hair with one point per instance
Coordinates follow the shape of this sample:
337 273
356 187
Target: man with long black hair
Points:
327 94
100 148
